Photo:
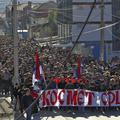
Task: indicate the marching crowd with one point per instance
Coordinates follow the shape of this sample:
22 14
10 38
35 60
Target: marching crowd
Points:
59 73
95 75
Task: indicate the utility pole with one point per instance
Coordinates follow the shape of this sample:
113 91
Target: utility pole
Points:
15 38
102 45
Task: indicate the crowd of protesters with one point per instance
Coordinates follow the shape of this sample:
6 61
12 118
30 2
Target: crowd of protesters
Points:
59 73
23 98
95 75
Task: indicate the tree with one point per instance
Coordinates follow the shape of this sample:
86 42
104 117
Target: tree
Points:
53 21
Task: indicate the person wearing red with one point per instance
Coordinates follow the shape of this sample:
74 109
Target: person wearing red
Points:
34 94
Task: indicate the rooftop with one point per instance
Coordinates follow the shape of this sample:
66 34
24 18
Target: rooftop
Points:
45 6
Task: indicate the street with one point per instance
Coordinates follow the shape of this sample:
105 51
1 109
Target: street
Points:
87 115
59 59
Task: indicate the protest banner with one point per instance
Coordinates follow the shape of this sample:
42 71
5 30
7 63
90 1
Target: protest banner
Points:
80 97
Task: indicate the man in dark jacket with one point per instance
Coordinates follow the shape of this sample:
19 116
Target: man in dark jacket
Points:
61 84
69 85
27 100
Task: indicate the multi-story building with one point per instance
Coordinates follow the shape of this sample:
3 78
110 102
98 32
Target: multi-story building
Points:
116 28
30 17
40 19
2 25
71 18
91 39
64 19
22 17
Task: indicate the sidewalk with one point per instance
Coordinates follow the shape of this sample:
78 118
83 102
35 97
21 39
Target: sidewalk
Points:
5 108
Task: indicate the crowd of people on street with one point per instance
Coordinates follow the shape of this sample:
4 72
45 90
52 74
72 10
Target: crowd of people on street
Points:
23 98
58 72
95 75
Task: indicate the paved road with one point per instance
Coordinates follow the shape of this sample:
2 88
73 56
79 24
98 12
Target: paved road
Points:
87 115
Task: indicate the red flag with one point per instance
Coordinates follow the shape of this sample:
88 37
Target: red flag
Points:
34 95
37 74
79 67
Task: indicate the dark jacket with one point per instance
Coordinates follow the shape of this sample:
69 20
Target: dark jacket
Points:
27 100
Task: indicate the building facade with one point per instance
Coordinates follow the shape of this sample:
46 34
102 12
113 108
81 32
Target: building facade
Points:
41 26
91 39
22 17
2 25
64 19
30 18
116 28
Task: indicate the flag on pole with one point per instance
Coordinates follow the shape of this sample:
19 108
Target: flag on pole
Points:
34 74
79 68
37 73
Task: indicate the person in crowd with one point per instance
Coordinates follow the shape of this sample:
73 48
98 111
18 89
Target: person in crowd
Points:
20 94
27 100
69 85
61 84
35 96
16 96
